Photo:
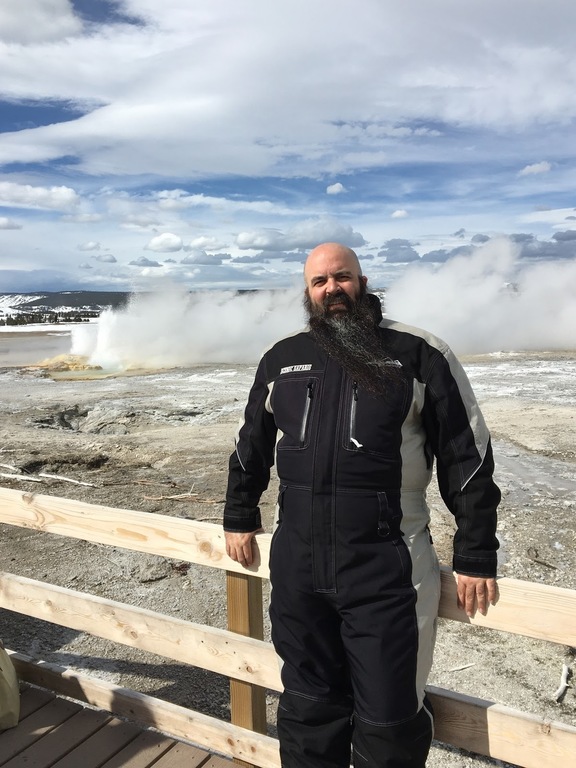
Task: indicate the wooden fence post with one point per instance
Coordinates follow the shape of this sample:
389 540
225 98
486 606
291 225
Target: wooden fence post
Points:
245 616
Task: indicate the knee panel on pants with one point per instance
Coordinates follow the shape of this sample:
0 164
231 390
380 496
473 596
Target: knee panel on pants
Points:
405 745
314 733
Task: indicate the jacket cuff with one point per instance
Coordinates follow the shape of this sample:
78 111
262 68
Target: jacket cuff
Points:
484 567
243 524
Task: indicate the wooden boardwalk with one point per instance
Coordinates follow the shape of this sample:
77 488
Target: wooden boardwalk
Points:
55 732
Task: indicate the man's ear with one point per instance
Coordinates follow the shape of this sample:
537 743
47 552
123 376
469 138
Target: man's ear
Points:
364 279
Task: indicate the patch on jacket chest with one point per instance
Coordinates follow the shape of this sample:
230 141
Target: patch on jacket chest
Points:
295 368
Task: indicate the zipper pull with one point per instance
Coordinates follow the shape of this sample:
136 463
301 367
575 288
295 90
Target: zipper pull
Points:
353 415
310 388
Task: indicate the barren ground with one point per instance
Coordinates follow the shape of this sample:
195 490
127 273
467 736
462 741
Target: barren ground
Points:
140 439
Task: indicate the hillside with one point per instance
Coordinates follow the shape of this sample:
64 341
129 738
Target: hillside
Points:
61 300
58 306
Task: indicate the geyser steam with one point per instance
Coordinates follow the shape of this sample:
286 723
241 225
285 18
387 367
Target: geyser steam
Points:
490 301
485 302
175 328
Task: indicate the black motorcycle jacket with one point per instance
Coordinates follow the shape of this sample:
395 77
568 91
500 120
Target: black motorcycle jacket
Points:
331 439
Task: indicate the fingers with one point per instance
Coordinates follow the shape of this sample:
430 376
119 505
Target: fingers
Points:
493 595
244 553
239 547
236 553
479 596
466 596
476 593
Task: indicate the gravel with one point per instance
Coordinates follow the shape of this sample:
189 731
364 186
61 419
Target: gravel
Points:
139 439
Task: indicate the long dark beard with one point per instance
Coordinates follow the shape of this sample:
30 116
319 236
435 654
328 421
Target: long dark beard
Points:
353 340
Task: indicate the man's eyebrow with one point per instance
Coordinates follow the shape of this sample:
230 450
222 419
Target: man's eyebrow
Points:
339 273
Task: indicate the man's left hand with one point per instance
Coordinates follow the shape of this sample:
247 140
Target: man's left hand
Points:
476 593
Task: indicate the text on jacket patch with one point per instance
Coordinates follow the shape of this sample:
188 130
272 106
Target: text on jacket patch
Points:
292 368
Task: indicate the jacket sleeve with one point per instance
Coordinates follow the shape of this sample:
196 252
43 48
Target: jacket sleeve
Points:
249 465
464 464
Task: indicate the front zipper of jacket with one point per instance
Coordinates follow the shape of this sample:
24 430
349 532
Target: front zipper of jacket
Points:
331 413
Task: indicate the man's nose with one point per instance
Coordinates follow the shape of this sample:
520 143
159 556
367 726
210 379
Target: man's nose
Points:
332 285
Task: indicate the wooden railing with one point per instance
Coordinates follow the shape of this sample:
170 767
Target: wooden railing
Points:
535 610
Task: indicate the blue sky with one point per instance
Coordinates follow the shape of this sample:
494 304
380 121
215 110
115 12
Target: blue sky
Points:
215 142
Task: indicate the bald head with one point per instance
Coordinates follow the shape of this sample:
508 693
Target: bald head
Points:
331 253
330 270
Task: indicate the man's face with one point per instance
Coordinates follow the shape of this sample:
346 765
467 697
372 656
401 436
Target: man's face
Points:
333 283
341 303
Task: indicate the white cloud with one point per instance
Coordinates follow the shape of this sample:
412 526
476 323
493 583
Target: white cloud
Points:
140 222
335 189
144 262
53 20
554 217
306 234
13 195
83 218
178 200
231 156
159 106
206 243
165 243
198 256
535 168
105 258
263 239
91 245
6 223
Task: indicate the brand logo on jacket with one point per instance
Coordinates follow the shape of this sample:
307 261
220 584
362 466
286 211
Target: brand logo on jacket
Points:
296 368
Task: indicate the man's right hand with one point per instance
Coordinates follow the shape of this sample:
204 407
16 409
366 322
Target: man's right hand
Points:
239 546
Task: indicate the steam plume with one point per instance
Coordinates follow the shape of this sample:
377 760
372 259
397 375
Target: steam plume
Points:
490 301
174 328
485 302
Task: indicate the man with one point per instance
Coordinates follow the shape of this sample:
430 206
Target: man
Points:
361 405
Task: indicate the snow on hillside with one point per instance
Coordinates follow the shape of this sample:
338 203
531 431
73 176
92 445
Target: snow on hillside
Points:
11 302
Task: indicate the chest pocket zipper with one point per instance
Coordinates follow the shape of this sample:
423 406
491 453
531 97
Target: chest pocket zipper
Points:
306 414
353 406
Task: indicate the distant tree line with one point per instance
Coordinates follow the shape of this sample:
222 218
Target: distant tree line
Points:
50 317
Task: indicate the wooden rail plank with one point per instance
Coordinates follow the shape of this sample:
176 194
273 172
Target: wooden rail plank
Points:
205 731
524 608
497 731
533 610
174 537
217 650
